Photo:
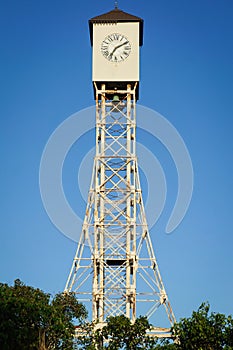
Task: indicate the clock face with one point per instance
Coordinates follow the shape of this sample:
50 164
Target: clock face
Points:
116 47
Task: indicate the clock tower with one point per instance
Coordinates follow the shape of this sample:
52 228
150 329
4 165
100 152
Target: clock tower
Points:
115 253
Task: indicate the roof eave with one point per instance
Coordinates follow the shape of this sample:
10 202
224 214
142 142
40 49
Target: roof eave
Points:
116 16
141 24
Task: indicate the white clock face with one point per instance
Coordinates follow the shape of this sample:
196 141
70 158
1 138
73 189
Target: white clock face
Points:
116 47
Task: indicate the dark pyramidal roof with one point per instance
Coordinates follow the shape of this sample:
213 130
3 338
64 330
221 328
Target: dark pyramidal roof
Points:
116 16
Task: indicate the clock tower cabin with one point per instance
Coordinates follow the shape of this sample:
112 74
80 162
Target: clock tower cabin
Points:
116 37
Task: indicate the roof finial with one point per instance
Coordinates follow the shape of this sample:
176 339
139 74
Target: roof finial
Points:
116 4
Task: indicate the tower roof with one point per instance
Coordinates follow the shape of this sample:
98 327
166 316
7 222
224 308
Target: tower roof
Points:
116 16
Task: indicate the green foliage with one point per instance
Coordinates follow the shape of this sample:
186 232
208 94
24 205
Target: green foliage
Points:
204 331
166 344
30 319
119 334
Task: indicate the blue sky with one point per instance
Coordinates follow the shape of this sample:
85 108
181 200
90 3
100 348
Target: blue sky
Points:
186 75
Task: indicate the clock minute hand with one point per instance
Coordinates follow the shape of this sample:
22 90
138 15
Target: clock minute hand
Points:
117 47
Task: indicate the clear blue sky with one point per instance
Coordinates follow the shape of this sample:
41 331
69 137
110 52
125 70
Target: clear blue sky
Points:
186 75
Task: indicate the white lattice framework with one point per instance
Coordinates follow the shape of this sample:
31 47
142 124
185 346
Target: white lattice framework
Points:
115 267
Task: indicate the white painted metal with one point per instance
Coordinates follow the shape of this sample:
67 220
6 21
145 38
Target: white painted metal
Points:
115 268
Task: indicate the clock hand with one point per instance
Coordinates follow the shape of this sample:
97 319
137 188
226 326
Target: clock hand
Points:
117 47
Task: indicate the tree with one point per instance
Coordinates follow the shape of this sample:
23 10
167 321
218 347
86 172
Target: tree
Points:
204 331
229 333
30 319
119 334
